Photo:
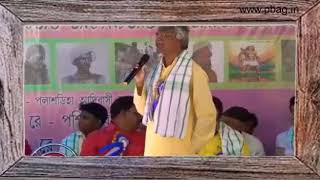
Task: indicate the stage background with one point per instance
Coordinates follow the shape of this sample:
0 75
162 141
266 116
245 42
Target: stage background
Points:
51 109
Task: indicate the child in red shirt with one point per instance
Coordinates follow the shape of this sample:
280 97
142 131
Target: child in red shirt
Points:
27 148
125 121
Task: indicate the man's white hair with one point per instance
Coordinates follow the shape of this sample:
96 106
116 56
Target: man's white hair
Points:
182 34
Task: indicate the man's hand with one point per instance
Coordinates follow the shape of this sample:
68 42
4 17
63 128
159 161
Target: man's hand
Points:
139 79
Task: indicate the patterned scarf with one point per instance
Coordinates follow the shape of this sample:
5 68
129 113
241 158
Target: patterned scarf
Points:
168 102
232 141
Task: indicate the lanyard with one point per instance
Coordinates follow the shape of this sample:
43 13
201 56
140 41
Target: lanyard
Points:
116 148
160 89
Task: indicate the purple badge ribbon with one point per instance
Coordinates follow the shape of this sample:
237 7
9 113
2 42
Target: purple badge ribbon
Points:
156 101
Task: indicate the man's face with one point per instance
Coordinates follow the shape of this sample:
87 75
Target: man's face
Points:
37 60
88 122
167 42
129 120
84 61
251 53
204 57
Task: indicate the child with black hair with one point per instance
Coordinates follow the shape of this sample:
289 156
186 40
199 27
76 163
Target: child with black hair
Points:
227 140
251 124
219 106
92 117
284 141
240 119
125 121
243 120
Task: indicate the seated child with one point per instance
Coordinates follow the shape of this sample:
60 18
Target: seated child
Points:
226 141
241 120
92 117
284 141
125 123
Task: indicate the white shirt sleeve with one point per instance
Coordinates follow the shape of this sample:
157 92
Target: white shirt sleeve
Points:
255 145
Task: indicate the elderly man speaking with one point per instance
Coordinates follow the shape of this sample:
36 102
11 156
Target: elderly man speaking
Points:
175 99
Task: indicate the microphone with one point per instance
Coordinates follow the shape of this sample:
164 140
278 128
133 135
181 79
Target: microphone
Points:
144 59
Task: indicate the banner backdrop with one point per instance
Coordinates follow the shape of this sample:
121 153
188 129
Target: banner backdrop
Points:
238 58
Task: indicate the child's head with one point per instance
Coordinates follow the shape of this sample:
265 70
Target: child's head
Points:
291 107
235 117
251 123
92 117
124 114
219 107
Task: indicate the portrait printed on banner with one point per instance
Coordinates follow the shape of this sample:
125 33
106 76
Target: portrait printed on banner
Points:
127 55
252 61
210 56
288 56
83 63
36 64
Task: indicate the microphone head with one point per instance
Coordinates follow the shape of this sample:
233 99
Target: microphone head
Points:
144 59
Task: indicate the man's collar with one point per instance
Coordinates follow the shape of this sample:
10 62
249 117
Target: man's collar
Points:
173 62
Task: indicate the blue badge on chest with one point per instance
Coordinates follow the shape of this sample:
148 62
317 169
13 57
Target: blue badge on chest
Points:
156 101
